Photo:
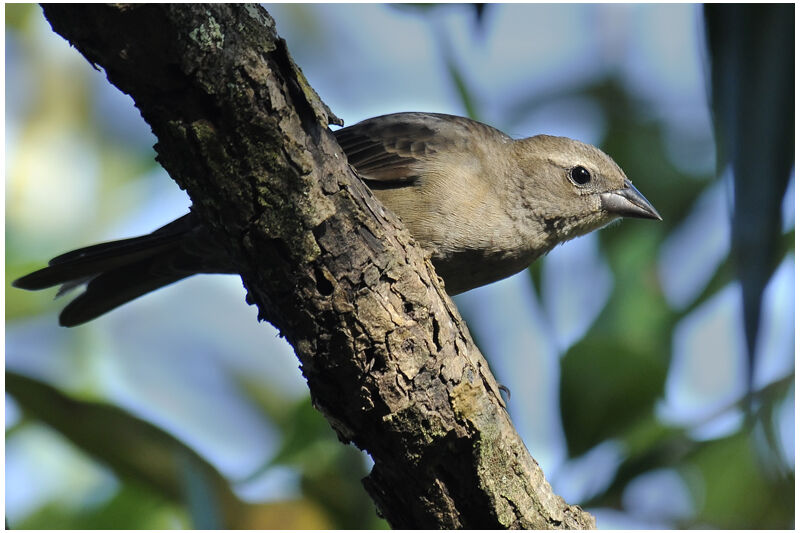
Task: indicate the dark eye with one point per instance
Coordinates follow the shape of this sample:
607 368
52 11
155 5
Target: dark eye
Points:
580 175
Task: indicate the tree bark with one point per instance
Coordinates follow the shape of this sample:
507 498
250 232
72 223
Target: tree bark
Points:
388 360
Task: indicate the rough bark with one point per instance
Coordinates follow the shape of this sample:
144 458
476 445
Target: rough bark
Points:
388 360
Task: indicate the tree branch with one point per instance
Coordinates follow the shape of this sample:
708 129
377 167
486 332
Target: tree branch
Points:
388 360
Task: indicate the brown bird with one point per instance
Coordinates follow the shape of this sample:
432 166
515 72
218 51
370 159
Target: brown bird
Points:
483 204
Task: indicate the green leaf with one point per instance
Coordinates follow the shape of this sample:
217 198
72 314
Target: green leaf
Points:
605 387
735 493
132 507
134 449
751 48
330 473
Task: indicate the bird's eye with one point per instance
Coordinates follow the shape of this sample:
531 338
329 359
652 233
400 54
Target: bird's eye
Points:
579 175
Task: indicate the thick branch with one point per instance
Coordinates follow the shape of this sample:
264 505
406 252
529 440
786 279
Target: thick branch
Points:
388 360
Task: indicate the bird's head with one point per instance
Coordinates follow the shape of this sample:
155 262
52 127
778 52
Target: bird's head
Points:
573 188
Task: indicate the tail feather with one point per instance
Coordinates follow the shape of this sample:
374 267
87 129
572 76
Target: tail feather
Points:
120 271
112 289
85 263
89 261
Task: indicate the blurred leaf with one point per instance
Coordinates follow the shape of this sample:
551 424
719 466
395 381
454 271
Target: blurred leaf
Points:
480 13
330 473
421 8
132 507
751 48
457 77
461 86
725 272
339 490
773 455
17 15
306 435
612 377
605 387
637 314
428 11
651 446
308 440
133 448
290 514
735 493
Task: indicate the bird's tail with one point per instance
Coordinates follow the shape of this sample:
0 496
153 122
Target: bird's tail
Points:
120 271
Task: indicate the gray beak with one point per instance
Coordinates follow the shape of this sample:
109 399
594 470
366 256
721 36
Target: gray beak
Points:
628 202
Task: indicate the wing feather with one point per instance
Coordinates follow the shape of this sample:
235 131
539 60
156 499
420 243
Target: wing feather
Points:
391 150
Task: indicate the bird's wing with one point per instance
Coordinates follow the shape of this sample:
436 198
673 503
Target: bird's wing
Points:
390 150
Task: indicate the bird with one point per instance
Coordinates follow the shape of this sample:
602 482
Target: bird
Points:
483 205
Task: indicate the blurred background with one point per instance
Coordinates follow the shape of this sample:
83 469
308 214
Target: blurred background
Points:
629 353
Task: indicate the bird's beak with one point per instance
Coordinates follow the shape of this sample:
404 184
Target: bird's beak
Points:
628 202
